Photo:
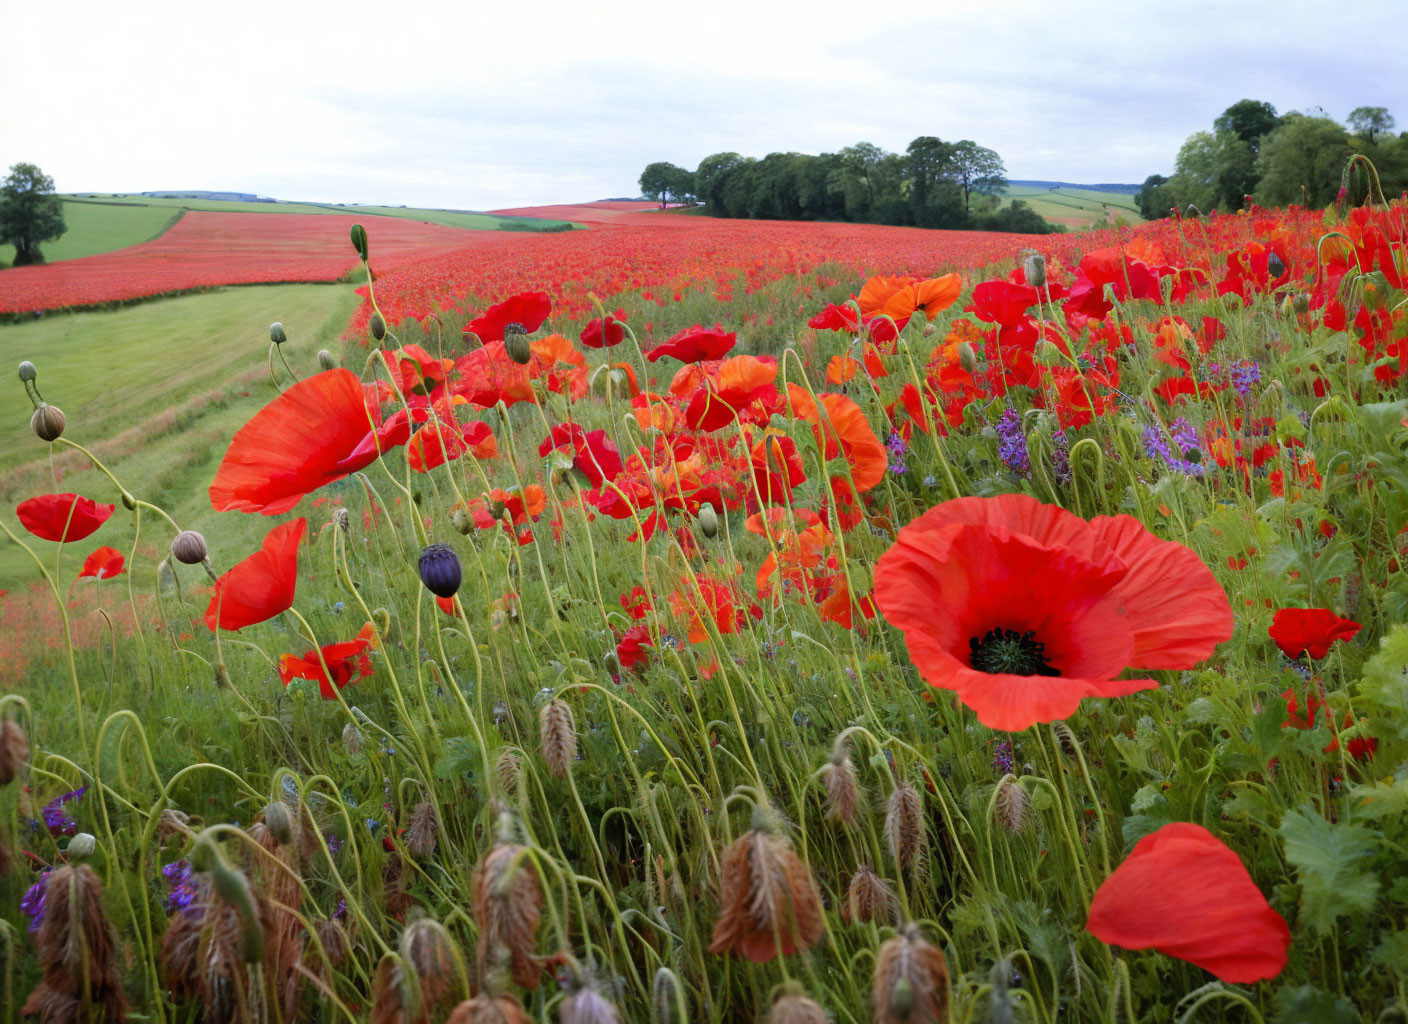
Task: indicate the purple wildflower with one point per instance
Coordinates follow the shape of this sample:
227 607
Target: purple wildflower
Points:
1012 443
182 884
1172 446
1244 375
1002 757
1061 457
334 845
58 821
898 447
32 902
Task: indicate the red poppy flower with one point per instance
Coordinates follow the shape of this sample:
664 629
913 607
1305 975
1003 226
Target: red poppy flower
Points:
103 564
528 310
1185 894
694 344
347 662
1002 302
62 517
316 432
593 453
836 318
847 433
1311 631
959 583
603 332
261 586
631 648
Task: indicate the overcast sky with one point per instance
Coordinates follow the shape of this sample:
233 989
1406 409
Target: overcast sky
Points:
480 106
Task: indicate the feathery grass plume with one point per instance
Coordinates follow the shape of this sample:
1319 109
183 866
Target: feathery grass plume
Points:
1064 736
77 953
508 767
395 883
868 898
506 901
428 949
396 995
14 751
422 832
667 1005
769 903
558 730
793 1006
842 788
173 822
1000 1001
904 825
585 1005
487 1009
335 944
1012 804
911 980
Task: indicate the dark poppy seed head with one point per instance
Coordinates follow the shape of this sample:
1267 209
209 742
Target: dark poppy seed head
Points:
516 343
440 570
1008 652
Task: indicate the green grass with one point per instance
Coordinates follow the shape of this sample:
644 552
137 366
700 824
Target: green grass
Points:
98 227
157 390
1074 207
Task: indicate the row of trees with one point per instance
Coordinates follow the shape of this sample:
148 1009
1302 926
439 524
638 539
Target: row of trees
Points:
933 184
1276 159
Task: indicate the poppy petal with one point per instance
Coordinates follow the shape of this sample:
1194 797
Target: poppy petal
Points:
62 517
262 585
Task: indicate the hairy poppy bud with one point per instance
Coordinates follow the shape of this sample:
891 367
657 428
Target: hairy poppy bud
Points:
188 548
1034 268
47 422
967 358
81 846
279 821
342 519
276 333
359 241
325 360
27 372
1300 302
708 521
440 570
462 521
517 345
378 327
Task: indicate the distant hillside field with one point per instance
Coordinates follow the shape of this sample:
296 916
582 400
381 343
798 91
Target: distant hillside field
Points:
1074 207
103 222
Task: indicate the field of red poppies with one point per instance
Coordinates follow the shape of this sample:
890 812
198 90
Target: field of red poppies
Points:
697 621
206 250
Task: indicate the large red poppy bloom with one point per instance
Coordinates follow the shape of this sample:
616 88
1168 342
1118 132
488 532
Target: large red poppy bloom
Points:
604 332
261 586
1024 609
1311 631
62 517
103 564
695 344
347 662
316 432
528 310
1185 894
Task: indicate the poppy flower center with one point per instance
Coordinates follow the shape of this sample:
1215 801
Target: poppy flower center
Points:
514 328
1008 652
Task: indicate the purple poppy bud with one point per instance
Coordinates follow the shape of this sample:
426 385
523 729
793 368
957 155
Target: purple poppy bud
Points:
440 570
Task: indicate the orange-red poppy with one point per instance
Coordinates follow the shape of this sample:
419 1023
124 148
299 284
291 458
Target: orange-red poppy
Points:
1184 893
1310 631
959 583
103 564
346 662
928 297
845 431
261 586
62 517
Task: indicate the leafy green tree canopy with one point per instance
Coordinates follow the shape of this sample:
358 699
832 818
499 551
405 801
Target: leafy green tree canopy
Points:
1370 122
30 213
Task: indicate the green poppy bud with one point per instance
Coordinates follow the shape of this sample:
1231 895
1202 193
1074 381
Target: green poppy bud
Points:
708 521
325 360
27 372
276 333
279 821
517 345
967 358
1034 268
81 846
359 241
377 326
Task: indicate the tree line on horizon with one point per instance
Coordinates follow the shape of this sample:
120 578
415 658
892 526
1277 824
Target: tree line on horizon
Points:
1277 159
932 184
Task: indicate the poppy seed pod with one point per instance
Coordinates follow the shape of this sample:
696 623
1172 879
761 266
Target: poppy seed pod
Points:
378 327
325 360
359 241
279 821
276 333
1034 269
47 422
440 570
708 521
27 372
188 548
517 345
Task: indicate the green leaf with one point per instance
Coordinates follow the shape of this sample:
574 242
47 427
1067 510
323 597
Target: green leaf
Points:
1330 866
1309 1005
1385 684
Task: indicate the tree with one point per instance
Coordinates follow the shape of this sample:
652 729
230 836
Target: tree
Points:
1152 198
30 213
1370 122
975 169
1249 120
709 178
657 181
1303 153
